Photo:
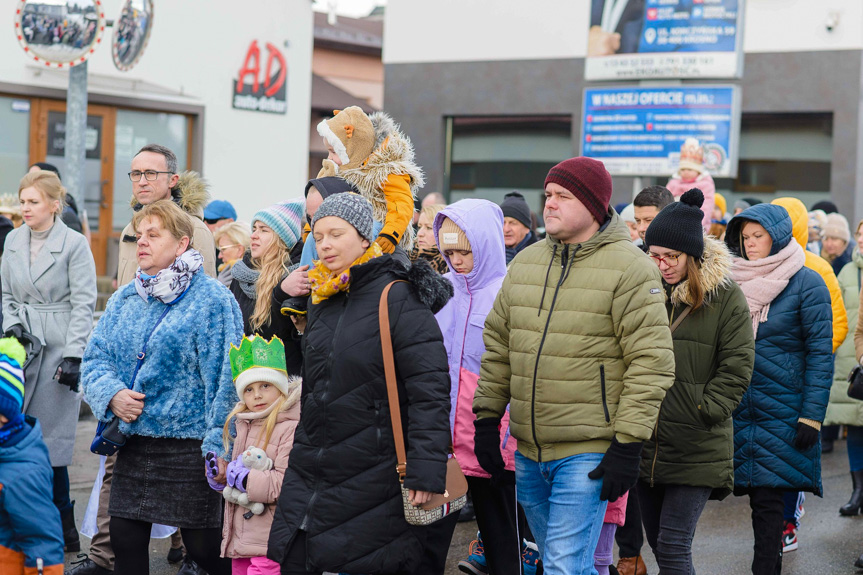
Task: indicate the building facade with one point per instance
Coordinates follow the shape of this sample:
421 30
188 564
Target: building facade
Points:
491 96
183 94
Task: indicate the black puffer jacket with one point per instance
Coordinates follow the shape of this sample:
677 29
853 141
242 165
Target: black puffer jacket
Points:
280 325
341 486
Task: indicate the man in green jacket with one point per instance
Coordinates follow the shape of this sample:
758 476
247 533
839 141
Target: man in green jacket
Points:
578 345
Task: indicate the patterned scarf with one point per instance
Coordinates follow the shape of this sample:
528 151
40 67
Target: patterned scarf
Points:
171 282
246 277
9 432
326 283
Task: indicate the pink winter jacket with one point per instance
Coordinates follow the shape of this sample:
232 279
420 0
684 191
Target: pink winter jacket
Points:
703 182
462 321
248 537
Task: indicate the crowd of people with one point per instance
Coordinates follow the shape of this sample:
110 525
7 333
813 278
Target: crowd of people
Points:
600 383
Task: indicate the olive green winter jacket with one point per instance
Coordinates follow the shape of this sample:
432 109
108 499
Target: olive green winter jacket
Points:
714 353
578 344
843 410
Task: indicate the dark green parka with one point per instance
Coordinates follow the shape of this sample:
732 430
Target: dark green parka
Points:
714 352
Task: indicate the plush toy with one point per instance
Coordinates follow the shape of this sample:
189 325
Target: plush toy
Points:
238 471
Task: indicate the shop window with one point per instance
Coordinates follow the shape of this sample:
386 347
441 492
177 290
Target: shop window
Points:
492 156
14 145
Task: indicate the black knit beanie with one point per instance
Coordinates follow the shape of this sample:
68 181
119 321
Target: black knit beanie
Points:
514 206
330 185
678 225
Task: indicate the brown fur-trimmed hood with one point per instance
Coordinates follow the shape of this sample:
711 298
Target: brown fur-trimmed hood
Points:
394 154
192 194
715 269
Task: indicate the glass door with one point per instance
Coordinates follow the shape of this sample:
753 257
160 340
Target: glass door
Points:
96 203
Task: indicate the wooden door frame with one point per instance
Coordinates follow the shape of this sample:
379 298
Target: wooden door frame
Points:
39 109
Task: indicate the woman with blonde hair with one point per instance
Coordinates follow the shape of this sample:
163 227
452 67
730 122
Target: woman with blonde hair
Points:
275 239
232 241
49 294
425 246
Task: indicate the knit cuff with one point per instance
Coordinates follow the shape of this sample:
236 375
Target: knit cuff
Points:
811 423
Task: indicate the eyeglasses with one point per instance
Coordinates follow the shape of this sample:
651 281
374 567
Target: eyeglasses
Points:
670 259
151 175
230 246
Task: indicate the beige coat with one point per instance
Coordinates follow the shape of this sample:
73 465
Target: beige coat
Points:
243 537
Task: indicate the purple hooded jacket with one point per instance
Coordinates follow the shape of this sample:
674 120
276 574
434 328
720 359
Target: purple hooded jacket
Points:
462 321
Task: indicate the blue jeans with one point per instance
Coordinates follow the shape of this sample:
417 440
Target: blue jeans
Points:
563 510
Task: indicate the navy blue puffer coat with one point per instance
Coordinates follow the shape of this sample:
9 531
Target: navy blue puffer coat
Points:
792 376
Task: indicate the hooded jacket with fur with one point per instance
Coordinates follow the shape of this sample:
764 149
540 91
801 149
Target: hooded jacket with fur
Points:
389 178
191 194
714 352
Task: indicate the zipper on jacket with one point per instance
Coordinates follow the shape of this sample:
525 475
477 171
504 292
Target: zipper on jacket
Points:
602 387
564 257
307 517
655 445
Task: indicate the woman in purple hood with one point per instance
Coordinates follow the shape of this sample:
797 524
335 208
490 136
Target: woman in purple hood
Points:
469 234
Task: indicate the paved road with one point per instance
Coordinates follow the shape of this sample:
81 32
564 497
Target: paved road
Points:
829 544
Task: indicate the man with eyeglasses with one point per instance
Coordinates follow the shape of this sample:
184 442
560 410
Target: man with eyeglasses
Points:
154 177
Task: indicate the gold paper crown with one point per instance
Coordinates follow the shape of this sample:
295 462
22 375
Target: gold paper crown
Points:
255 351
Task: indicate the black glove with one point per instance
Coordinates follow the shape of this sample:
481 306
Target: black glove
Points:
618 469
486 446
807 436
15 331
69 372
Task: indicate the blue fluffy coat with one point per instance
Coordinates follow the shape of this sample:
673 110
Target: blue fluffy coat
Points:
186 375
793 373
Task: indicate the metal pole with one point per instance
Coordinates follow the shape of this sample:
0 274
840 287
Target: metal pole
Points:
76 132
636 187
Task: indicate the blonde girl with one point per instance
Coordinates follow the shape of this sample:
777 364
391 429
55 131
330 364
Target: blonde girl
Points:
276 233
266 417
232 241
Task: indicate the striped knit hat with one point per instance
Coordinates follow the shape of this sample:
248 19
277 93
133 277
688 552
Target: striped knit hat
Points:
286 219
588 180
12 357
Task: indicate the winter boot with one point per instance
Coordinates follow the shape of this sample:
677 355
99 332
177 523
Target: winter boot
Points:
854 505
295 305
71 541
631 566
475 564
189 567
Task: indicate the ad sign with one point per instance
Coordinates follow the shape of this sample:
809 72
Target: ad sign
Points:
657 39
638 131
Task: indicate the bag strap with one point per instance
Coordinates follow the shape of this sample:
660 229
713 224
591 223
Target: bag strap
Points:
392 388
143 353
680 318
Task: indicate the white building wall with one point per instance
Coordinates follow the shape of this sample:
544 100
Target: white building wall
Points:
480 30
195 52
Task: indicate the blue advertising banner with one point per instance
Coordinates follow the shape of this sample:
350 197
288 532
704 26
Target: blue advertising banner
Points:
638 131
655 39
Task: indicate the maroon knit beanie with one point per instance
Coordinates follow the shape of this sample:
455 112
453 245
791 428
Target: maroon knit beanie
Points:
588 180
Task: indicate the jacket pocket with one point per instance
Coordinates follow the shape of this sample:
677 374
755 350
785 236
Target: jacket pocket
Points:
604 394
378 408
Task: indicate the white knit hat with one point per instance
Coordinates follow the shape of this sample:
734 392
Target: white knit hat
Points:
266 374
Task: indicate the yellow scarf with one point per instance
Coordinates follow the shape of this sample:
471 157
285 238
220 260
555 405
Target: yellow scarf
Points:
325 283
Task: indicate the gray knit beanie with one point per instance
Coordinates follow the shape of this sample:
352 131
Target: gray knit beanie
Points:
351 207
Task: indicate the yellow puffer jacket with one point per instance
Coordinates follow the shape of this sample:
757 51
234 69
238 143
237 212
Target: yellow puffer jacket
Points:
800 229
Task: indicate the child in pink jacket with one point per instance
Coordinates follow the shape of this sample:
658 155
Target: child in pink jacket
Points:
615 514
266 417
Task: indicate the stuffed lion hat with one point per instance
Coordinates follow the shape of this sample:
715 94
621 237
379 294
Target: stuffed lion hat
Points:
351 134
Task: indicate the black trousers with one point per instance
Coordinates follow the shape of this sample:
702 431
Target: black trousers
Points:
438 537
500 520
130 540
630 535
768 505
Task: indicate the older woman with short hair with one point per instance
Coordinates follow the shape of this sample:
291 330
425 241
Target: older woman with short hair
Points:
158 360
